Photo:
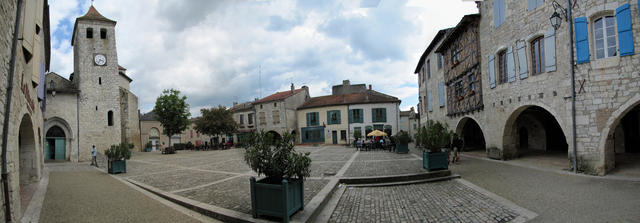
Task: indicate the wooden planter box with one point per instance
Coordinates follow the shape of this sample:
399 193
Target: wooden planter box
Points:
277 200
402 148
435 161
117 166
147 149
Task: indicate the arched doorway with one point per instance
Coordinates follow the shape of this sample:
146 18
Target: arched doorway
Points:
532 131
622 148
28 164
471 133
55 144
275 136
154 138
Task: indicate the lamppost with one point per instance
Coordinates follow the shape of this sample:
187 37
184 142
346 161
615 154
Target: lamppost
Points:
560 13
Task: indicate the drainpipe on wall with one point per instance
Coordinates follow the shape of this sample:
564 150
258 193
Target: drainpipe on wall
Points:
7 110
573 89
78 122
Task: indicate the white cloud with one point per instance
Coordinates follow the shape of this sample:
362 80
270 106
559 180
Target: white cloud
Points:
213 50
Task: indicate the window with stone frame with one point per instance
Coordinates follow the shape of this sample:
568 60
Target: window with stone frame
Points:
537 55
103 33
334 117
472 82
428 68
110 118
459 89
455 54
263 118
502 67
250 118
604 35
275 116
241 117
89 33
439 61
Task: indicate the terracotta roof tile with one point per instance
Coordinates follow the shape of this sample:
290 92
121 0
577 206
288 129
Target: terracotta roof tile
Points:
93 14
278 96
367 97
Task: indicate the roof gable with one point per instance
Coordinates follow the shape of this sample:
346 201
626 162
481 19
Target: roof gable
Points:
367 97
279 96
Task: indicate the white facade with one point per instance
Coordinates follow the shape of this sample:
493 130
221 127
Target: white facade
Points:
393 117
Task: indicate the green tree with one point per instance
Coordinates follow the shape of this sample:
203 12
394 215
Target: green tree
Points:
215 121
172 111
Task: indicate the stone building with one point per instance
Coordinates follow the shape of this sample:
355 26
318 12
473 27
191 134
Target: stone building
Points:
25 58
338 118
95 105
409 122
245 116
276 113
527 89
431 80
151 131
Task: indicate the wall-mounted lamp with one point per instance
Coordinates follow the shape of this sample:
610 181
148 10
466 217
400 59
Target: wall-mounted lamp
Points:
559 14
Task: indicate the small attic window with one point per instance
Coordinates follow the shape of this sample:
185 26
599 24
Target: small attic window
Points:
89 33
103 33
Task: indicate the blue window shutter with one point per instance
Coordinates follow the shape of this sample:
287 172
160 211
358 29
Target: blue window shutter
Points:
511 68
522 60
329 122
338 114
373 115
308 119
384 114
625 33
361 119
496 14
550 50
503 15
350 115
492 75
441 93
582 39
429 101
317 114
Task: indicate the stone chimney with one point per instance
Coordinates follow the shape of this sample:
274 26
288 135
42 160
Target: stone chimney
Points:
411 109
346 83
292 88
235 103
369 86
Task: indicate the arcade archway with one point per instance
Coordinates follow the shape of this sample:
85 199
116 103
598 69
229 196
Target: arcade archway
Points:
471 133
533 131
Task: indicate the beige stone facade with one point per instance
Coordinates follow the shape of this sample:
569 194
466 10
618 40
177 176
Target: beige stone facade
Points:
526 88
409 122
95 106
26 66
277 112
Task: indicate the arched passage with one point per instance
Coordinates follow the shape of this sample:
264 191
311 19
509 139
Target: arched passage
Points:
532 131
471 133
622 145
28 161
154 138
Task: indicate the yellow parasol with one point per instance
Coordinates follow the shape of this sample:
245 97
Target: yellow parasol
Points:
377 133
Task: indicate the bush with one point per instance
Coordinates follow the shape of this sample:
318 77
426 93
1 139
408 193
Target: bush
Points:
276 160
148 145
402 138
188 145
169 150
435 136
118 152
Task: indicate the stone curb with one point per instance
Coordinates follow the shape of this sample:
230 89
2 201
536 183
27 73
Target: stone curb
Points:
395 178
429 180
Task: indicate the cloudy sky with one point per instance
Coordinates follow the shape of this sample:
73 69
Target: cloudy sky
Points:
217 51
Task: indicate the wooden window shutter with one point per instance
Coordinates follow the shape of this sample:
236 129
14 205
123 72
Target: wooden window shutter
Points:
492 75
625 32
511 68
582 39
522 60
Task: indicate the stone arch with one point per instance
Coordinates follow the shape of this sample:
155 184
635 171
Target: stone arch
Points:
28 162
536 130
607 134
57 122
470 130
275 135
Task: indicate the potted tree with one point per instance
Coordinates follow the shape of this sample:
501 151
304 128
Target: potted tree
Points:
116 158
402 140
148 146
435 139
281 192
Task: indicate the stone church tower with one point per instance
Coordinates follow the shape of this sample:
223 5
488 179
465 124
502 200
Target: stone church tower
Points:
105 111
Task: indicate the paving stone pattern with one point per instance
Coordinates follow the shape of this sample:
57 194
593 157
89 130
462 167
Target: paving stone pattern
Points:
446 201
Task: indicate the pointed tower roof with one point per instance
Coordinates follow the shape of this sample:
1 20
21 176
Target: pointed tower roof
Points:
92 14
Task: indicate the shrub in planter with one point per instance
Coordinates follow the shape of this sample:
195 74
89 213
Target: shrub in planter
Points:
147 147
281 192
116 157
402 140
435 139
188 145
169 150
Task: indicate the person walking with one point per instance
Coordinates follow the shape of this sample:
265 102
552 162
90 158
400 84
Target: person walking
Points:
94 153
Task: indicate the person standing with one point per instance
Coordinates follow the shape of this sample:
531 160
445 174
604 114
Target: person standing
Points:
94 153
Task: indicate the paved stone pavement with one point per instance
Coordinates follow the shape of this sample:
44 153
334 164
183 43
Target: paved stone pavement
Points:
79 193
445 201
221 177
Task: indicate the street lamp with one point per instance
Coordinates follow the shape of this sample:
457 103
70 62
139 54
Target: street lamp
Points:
558 15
